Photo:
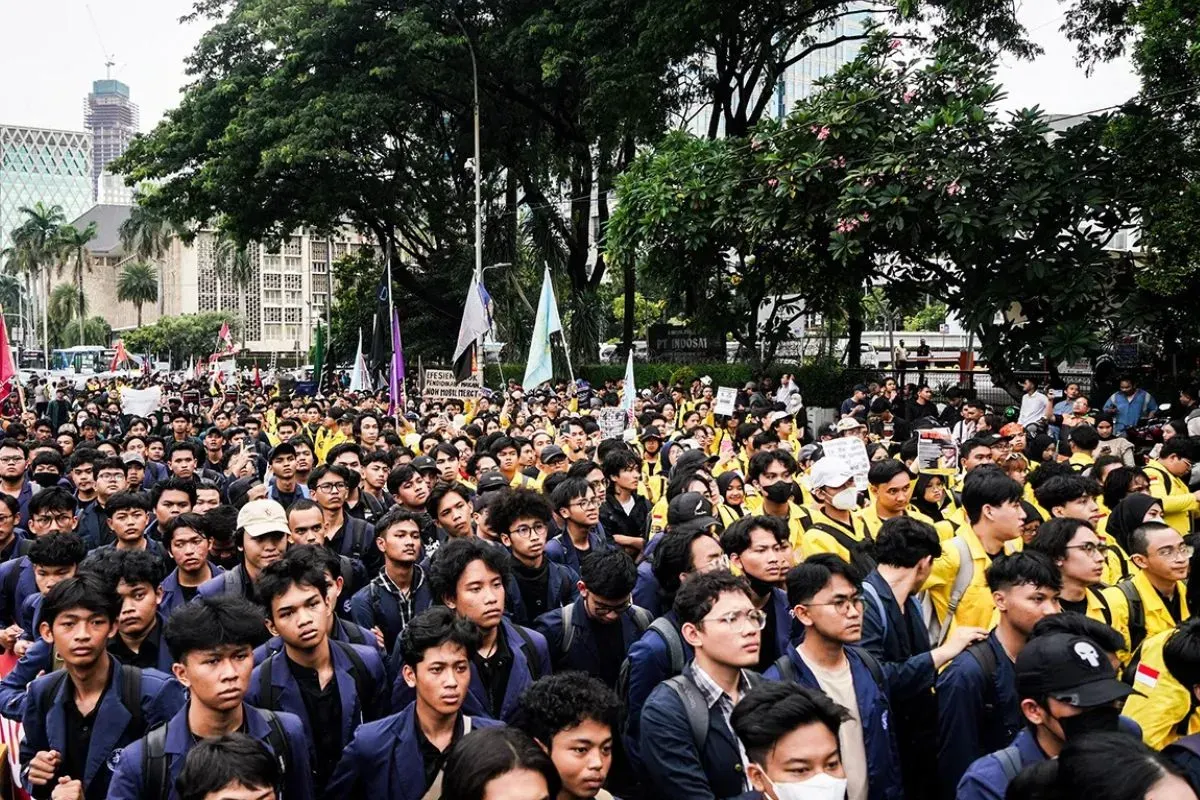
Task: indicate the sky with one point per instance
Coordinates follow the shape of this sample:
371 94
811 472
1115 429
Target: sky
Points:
50 52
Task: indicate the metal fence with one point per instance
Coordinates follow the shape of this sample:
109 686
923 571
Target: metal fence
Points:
976 384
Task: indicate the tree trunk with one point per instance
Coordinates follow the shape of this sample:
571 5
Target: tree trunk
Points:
46 317
138 307
854 312
79 287
630 304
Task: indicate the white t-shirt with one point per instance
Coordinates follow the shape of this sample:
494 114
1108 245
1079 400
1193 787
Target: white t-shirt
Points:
839 685
1033 408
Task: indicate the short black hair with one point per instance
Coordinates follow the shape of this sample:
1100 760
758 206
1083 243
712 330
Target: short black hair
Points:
813 574
1139 539
987 487
609 573
1182 446
125 500
277 578
207 623
101 464
699 593
400 476
221 522
759 462
439 491
1052 537
395 515
85 590
342 449
212 764
195 522
569 490
434 627
970 446
1084 437
885 471
1181 654
673 557
137 566
53 499
453 558
515 505
192 447
1023 568
321 470
1108 639
773 709
486 753
903 541
173 485
57 550
735 539
315 556
619 459
560 702
1063 489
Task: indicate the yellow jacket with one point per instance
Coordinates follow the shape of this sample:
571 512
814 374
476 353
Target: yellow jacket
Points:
1158 619
975 607
1179 504
818 541
870 516
1160 704
326 440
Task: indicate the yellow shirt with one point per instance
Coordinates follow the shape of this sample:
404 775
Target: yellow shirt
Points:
975 607
1158 619
870 516
1179 504
821 541
1159 702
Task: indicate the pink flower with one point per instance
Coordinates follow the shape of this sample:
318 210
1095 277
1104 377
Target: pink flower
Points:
909 95
840 161
894 44
953 188
846 225
823 133
772 182
865 216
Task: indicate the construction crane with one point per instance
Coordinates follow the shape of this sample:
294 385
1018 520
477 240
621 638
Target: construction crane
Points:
109 63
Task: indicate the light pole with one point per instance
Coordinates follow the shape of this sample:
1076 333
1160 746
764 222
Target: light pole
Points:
476 162
483 347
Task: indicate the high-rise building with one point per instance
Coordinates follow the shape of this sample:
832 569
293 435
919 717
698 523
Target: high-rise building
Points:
112 119
42 165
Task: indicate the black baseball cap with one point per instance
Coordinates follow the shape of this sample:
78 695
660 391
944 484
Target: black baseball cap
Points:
690 512
1071 669
650 432
691 460
552 452
281 449
491 482
424 464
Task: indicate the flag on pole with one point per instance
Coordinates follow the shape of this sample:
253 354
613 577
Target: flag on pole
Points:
546 323
225 340
359 381
319 356
630 389
257 377
9 381
397 401
474 326
120 356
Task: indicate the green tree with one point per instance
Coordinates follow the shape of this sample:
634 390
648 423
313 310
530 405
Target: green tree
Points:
182 338
74 243
235 266
138 284
36 250
929 318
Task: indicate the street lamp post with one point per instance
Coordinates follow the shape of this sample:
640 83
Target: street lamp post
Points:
476 164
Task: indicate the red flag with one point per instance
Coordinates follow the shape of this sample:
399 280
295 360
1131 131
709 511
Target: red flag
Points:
225 340
8 370
257 378
119 357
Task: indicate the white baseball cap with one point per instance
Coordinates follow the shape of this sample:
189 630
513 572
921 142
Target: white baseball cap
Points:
829 473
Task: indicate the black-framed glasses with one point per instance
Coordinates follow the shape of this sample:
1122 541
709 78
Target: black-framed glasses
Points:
842 605
331 487
525 531
1090 548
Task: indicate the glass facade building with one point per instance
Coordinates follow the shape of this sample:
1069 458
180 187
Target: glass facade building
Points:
40 164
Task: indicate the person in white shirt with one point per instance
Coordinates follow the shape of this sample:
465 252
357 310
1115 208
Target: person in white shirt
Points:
1035 406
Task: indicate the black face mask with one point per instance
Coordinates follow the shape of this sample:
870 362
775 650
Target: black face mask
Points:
779 492
760 587
1101 719
46 479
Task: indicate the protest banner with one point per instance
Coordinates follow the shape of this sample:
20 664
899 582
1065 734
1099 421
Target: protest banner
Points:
141 402
854 453
441 385
612 422
937 451
726 401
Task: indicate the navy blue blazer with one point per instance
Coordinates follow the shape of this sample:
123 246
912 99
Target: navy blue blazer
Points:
584 653
649 665
561 588
560 550
16 573
355 709
904 650
172 592
883 760
520 677
45 722
647 592
974 719
383 759
127 776
342 631
669 756
378 607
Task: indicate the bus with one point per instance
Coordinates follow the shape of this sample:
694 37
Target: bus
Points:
82 360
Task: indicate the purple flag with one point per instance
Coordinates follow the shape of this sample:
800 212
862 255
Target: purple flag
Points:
396 381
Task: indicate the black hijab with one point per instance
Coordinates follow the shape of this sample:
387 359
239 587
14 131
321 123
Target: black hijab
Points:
1128 515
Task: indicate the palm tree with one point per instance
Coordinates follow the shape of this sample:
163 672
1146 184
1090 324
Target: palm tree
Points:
66 305
74 244
12 297
37 236
147 235
138 284
235 265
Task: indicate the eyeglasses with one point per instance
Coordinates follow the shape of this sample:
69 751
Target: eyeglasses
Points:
842 605
62 519
1091 548
739 619
585 504
1171 553
11 459
620 608
597 485
525 531
330 488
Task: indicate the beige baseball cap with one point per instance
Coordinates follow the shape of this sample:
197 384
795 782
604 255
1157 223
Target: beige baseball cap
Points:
260 517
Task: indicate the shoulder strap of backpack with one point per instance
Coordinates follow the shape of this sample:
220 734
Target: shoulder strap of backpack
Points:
568 632
154 763
641 618
1010 761
1137 614
871 592
1105 611
840 536
277 739
787 670
695 708
670 634
23 547
266 686
232 581
131 697
874 667
985 656
362 686
530 651
962 580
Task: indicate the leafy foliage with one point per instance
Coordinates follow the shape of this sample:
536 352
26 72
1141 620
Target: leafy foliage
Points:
180 338
138 284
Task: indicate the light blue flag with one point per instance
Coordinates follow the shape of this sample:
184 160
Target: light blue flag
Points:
630 389
546 323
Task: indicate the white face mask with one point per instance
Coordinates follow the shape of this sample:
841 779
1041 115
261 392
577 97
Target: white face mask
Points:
819 787
845 500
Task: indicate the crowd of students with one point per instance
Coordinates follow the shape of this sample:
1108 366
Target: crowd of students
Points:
269 598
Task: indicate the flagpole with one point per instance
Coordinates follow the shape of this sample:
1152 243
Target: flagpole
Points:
395 401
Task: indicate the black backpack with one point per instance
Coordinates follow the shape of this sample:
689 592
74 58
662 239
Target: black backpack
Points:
696 706
862 554
156 770
675 653
270 695
787 670
530 651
